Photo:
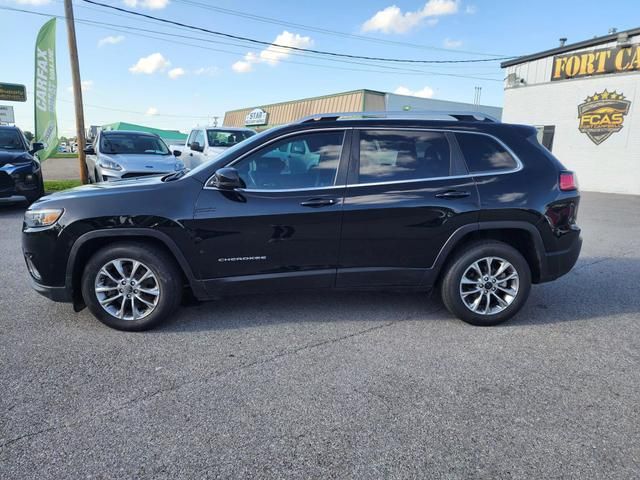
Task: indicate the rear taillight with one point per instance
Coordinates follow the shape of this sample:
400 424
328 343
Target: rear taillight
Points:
568 181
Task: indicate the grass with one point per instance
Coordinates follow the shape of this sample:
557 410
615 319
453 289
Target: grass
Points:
59 185
64 155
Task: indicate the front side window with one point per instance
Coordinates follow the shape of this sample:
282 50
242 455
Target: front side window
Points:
484 154
11 140
227 138
304 161
199 138
132 143
391 156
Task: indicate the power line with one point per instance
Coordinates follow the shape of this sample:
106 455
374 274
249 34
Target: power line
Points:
286 47
135 31
275 21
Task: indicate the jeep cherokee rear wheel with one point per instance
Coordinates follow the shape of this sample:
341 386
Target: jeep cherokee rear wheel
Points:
486 283
131 286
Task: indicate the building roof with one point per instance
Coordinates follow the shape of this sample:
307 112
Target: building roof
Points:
298 100
592 42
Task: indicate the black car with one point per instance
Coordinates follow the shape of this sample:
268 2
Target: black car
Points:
474 207
20 172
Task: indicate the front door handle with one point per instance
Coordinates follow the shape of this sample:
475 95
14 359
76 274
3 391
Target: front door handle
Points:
319 202
453 194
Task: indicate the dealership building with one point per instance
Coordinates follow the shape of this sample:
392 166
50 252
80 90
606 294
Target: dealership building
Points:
584 98
260 117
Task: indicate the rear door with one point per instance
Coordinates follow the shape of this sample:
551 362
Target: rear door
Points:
407 192
282 230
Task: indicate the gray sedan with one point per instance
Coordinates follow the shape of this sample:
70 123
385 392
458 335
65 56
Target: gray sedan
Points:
116 155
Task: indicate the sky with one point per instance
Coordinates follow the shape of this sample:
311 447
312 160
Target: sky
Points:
141 71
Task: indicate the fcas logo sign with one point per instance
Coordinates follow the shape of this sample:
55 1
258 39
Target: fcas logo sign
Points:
602 114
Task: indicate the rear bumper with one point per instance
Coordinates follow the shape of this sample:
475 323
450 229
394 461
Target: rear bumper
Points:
57 294
557 264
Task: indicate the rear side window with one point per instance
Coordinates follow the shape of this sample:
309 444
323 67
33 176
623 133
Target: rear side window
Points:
391 156
484 154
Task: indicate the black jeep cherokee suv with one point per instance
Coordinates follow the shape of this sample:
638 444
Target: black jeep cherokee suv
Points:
475 207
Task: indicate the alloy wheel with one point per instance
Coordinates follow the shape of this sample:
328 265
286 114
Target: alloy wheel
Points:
489 285
127 289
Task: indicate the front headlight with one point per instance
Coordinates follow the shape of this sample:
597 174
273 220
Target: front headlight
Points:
110 164
42 218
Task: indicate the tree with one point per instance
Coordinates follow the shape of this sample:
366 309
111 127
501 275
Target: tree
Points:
28 135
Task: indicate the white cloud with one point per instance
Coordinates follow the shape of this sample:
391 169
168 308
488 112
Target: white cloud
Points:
471 9
110 40
151 64
426 92
85 86
176 72
209 71
150 4
450 43
273 54
393 20
151 111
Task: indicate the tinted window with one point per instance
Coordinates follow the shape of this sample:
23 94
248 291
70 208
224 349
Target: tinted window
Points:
304 161
483 153
387 156
116 143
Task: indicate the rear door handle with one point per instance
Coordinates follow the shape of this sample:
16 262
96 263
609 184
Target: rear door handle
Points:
319 202
453 194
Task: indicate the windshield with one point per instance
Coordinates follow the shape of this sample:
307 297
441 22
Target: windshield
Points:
10 140
132 143
227 138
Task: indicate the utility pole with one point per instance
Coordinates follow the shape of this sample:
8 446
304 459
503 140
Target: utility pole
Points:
77 88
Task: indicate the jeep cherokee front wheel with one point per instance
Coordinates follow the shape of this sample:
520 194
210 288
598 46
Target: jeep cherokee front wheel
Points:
486 283
131 286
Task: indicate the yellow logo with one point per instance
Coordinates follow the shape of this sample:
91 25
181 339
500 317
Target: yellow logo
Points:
602 114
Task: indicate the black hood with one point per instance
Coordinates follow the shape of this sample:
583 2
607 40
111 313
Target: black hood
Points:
7 156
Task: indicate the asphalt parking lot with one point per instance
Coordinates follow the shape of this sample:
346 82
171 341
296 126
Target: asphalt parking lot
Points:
333 385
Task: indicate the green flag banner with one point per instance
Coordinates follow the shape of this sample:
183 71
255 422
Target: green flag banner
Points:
46 87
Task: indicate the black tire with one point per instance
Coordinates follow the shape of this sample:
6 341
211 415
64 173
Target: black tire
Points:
163 268
450 285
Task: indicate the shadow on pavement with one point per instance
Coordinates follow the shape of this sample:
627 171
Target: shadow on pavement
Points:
597 288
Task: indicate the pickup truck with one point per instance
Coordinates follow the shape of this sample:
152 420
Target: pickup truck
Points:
206 143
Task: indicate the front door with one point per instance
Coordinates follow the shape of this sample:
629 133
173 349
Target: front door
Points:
282 230
407 192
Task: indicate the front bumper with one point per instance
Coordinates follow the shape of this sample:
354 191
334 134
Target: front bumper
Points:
57 294
19 179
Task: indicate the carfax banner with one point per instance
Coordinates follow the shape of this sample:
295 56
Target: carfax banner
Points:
46 87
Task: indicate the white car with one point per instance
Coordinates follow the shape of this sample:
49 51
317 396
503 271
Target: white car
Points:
205 143
126 154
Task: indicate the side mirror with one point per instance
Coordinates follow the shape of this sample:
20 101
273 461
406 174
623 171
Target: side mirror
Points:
36 147
227 179
177 153
197 147
89 150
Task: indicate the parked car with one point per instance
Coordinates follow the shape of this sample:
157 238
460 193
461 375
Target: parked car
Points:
119 154
20 172
475 207
206 143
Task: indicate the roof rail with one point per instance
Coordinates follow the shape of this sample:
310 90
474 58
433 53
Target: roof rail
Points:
406 115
